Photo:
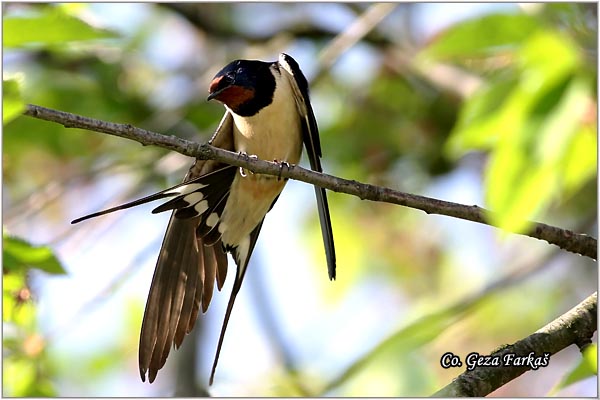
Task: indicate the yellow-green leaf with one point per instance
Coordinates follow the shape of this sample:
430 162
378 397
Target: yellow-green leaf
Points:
12 103
482 36
49 27
587 367
18 254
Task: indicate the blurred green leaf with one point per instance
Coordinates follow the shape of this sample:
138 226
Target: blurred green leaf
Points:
408 338
581 159
525 175
19 254
22 378
41 388
477 125
530 117
17 375
48 27
11 284
587 367
544 60
482 36
12 103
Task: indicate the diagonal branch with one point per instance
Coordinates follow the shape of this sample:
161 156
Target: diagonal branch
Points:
565 239
429 326
576 326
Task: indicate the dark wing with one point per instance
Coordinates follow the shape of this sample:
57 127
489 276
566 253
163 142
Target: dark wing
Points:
185 272
187 268
313 149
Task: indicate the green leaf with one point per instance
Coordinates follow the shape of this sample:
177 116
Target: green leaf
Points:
11 283
530 170
531 121
478 122
12 103
17 375
581 158
18 254
482 36
544 60
49 27
587 367
408 338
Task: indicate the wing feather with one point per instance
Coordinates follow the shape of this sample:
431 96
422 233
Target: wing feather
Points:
313 149
185 272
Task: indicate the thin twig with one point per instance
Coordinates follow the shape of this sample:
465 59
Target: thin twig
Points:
565 239
361 26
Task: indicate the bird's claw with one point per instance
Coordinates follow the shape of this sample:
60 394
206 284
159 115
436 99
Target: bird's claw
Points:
281 164
247 158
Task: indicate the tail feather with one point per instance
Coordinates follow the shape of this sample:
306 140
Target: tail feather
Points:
242 256
190 197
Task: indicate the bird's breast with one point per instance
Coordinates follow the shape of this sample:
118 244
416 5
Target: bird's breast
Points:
273 133
278 138
252 195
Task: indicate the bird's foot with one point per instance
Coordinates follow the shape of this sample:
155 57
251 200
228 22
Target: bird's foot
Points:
243 171
281 165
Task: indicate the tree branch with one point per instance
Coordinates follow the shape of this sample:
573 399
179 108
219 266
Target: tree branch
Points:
565 239
574 327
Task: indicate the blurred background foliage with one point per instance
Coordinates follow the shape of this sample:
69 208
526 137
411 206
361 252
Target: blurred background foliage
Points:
494 105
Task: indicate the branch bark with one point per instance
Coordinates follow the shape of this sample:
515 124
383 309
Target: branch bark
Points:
565 239
574 327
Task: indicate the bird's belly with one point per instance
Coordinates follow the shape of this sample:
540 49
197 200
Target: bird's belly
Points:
250 198
273 134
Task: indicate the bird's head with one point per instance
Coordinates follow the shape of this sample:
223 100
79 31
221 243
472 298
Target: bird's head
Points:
244 86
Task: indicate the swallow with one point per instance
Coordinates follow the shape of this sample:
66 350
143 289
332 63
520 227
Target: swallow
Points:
220 209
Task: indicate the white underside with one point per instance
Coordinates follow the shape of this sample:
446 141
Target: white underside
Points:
274 133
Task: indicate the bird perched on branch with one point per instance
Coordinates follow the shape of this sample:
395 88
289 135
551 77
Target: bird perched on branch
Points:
220 208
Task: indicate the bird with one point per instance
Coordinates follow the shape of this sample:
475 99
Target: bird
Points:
220 209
